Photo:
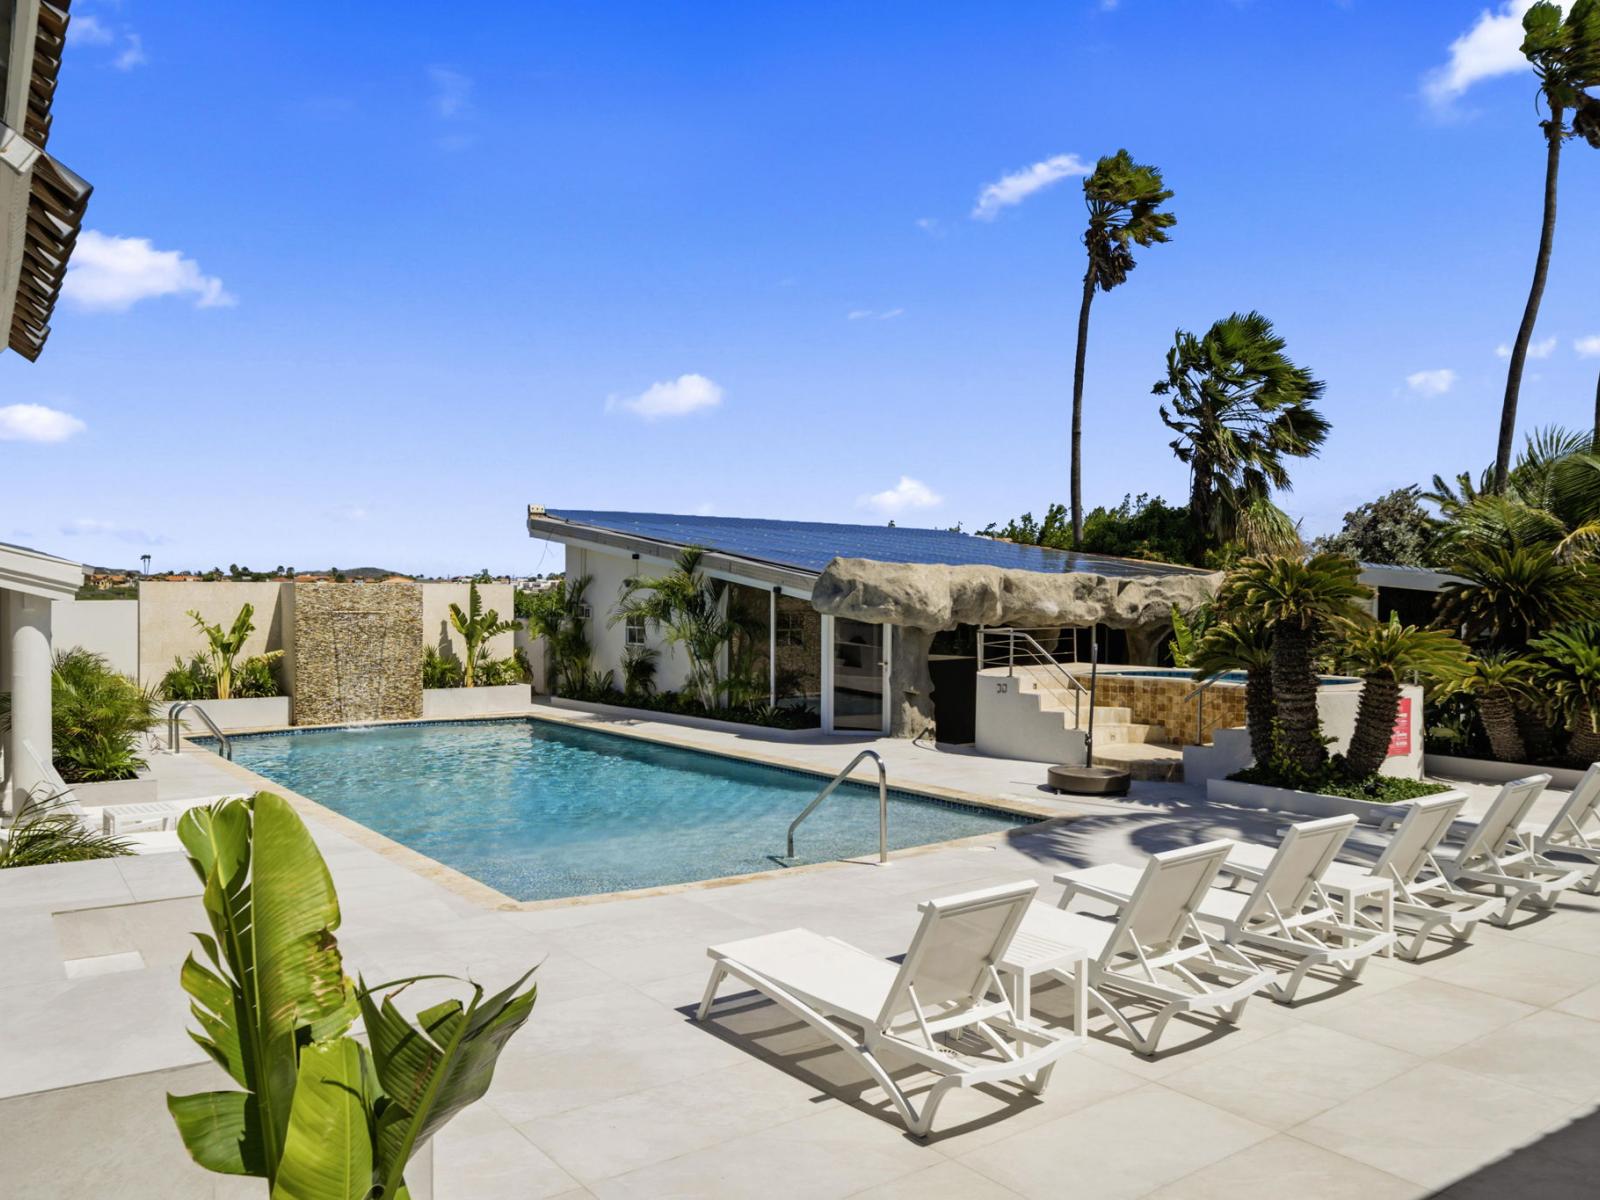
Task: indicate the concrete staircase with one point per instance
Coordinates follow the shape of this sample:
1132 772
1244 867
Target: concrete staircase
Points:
1043 715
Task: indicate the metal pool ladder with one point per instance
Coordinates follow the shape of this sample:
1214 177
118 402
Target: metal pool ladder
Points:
175 743
832 784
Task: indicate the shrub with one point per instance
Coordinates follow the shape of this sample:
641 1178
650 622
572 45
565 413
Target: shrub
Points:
97 716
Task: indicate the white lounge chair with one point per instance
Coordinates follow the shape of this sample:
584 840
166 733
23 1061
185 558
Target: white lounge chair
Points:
62 798
1155 954
1418 892
946 987
1495 856
1574 832
1286 913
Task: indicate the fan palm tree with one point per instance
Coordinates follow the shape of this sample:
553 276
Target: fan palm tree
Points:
1565 54
1569 664
1551 499
1382 653
476 626
1124 199
1297 602
1240 407
1242 644
1499 684
1504 596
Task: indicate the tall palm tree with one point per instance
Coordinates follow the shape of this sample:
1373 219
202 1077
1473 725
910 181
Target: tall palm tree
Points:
1240 407
1382 653
1566 57
1298 602
1124 200
1242 644
1551 500
689 608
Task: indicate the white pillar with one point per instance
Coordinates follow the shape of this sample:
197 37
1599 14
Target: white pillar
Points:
772 647
28 635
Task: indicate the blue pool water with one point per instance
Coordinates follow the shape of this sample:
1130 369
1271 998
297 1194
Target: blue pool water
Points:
538 810
1224 677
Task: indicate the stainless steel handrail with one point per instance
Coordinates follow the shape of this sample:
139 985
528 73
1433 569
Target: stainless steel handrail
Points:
1040 657
883 802
1200 708
175 743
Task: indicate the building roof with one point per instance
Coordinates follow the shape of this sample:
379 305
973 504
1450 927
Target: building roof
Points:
39 574
808 546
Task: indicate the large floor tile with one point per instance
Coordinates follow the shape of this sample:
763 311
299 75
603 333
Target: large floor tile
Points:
1547 1052
1290 1076
480 1156
1122 1147
1582 1004
1425 1018
1433 1124
945 1181
1283 1167
1523 970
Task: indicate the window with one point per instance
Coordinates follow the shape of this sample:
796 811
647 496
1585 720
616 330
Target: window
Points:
633 632
791 630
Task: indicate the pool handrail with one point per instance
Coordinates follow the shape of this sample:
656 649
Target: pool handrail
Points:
832 784
175 743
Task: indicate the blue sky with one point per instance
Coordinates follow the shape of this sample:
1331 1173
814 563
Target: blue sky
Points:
360 290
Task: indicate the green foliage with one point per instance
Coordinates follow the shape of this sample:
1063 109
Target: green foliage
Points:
1565 54
319 1115
1240 408
96 718
1142 526
226 646
1569 666
1505 596
1187 633
1551 501
1330 780
439 670
45 832
639 665
255 677
1124 200
476 626
1384 654
1393 529
688 607
560 615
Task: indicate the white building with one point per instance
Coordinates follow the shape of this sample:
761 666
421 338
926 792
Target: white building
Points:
30 585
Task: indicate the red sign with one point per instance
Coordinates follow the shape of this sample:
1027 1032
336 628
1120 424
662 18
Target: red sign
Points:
1400 738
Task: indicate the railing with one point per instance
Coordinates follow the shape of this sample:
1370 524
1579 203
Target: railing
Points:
1013 648
1199 695
832 785
175 743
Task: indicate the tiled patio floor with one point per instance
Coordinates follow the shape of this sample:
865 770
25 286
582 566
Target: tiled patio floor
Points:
1420 1077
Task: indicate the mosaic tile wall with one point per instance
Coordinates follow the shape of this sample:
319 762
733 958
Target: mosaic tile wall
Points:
1161 702
357 652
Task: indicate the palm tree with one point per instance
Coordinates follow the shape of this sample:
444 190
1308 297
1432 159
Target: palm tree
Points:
476 626
1242 644
1124 199
689 608
1569 664
1499 683
1297 602
1566 57
1504 596
1551 499
1382 653
1240 407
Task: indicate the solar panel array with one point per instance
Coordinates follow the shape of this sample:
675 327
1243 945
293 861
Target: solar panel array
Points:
811 545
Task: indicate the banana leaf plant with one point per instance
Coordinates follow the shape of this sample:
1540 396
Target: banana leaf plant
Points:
321 1116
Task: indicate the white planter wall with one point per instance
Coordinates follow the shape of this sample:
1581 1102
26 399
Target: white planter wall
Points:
1306 804
266 712
1010 723
476 701
1482 770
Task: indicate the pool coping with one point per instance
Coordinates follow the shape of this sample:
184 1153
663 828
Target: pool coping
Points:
480 893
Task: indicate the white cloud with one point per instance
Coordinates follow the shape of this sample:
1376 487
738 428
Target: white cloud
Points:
1542 349
873 314
351 512
930 225
1019 185
673 398
94 527
452 92
908 494
1493 46
37 423
1431 383
132 54
89 31
111 274
1588 347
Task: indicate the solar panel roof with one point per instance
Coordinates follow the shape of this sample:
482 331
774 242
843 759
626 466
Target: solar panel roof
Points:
811 545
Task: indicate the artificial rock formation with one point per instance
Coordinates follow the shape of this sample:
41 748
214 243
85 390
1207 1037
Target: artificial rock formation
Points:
923 599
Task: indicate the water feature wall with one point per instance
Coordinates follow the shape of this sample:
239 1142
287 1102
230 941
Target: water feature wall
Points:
357 652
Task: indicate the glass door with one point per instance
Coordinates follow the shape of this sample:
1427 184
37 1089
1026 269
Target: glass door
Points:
859 664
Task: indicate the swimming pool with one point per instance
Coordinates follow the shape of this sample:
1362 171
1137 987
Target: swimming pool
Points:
539 810
1187 675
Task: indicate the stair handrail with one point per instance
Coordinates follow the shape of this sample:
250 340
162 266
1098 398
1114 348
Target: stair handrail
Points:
175 743
1038 656
1200 708
832 784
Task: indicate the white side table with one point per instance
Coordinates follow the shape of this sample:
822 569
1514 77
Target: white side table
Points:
1040 948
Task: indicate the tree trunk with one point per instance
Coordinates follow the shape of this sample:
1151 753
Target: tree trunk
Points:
1199 510
1585 743
1258 713
1375 716
1077 408
1294 690
1594 441
1530 314
1499 718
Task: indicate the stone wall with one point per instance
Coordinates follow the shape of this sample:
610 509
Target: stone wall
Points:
356 653
1161 702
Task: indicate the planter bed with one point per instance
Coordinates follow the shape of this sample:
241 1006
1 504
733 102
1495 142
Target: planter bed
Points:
692 722
1307 804
475 701
1487 770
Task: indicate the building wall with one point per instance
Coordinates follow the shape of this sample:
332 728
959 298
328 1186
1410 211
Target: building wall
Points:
609 575
106 627
166 631
436 629
357 650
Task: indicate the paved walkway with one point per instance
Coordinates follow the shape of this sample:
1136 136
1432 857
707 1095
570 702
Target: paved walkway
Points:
1473 1069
